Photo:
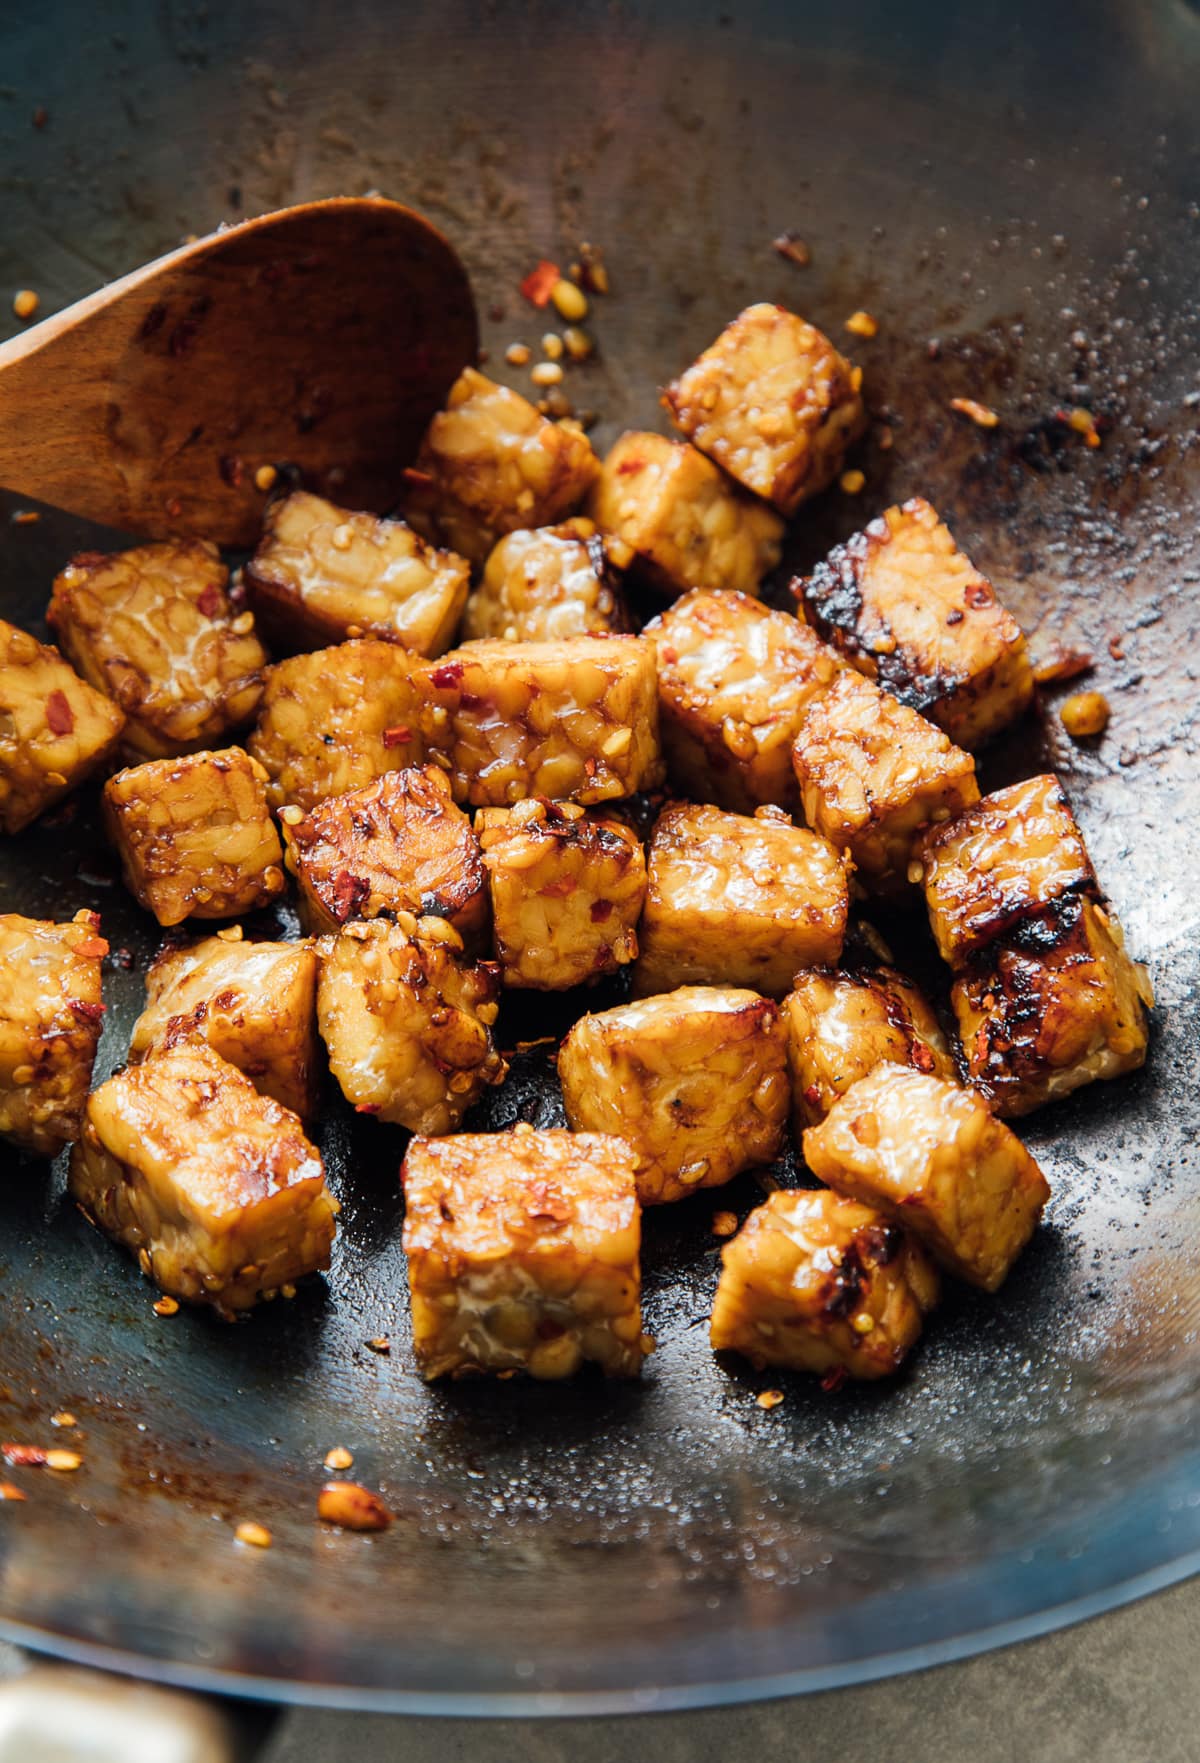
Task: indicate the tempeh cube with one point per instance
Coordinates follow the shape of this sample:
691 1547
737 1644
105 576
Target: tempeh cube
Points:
687 525
816 1282
407 1021
737 900
567 888
903 603
734 682
1055 1004
155 629
490 464
399 844
323 573
774 403
873 774
336 719
933 1158
842 1025
523 1254
696 1080
552 582
51 1011
1012 854
253 1003
571 721
55 729
213 1187
194 835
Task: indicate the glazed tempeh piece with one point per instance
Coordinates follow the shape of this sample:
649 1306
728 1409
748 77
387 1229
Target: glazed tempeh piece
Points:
935 1160
908 609
696 1080
154 628
51 1012
571 721
55 729
253 1003
399 844
194 835
816 1282
567 888
523 1254
322 574
773 403
734 682
552 582
737 900
687 525
213 1187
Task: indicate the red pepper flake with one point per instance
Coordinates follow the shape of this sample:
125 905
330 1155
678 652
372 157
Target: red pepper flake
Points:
88 1012
41 117
367 1107
1116 648
25 517
793 247
812 1095
541 282
9 1491
232 470
628 466
449 675
92 948
396 737
921 1057
60 718
601 909
349 893
834 1379
379 1343
211 601
560 889
1062 664
173 507
24 1456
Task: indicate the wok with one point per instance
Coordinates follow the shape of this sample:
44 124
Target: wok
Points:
1012 190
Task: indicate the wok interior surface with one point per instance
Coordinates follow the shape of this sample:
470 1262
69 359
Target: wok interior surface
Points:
1018 184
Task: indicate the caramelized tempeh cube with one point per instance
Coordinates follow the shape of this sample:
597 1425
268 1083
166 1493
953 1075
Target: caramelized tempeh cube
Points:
739 901
734 682
50 1017
523 1253
571 721
873 774
819 1283
253 1003
213 1187
490 464
696 1080
686 524
322 574
1055 1004
904 604
567 888
407 1022
336 719
548 583
155 630
55 729
774 403
935 1160
194 835
399 844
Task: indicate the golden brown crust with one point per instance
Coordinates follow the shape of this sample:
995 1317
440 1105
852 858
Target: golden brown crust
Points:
547 583
51 1012
55 729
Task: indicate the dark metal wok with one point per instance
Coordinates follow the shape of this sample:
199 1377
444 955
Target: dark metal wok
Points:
1018 183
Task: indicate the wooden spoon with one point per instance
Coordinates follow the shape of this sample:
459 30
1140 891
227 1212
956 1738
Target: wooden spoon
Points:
321 338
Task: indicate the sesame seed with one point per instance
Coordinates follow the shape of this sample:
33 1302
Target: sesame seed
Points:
546 373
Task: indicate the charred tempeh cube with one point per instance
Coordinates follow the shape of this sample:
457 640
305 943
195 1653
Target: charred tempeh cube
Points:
55 729
51 1012
154 628
399 844
687 525
1012 854
734 682
253 1003
323 573
212 1186
816 1282
874 774
903 603
335 719
407 1021
696 1080
523 1253
933 1157
842 1025
194 835
737 900
1055 1004
490 464
572 721
772 402
567 887
548 583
